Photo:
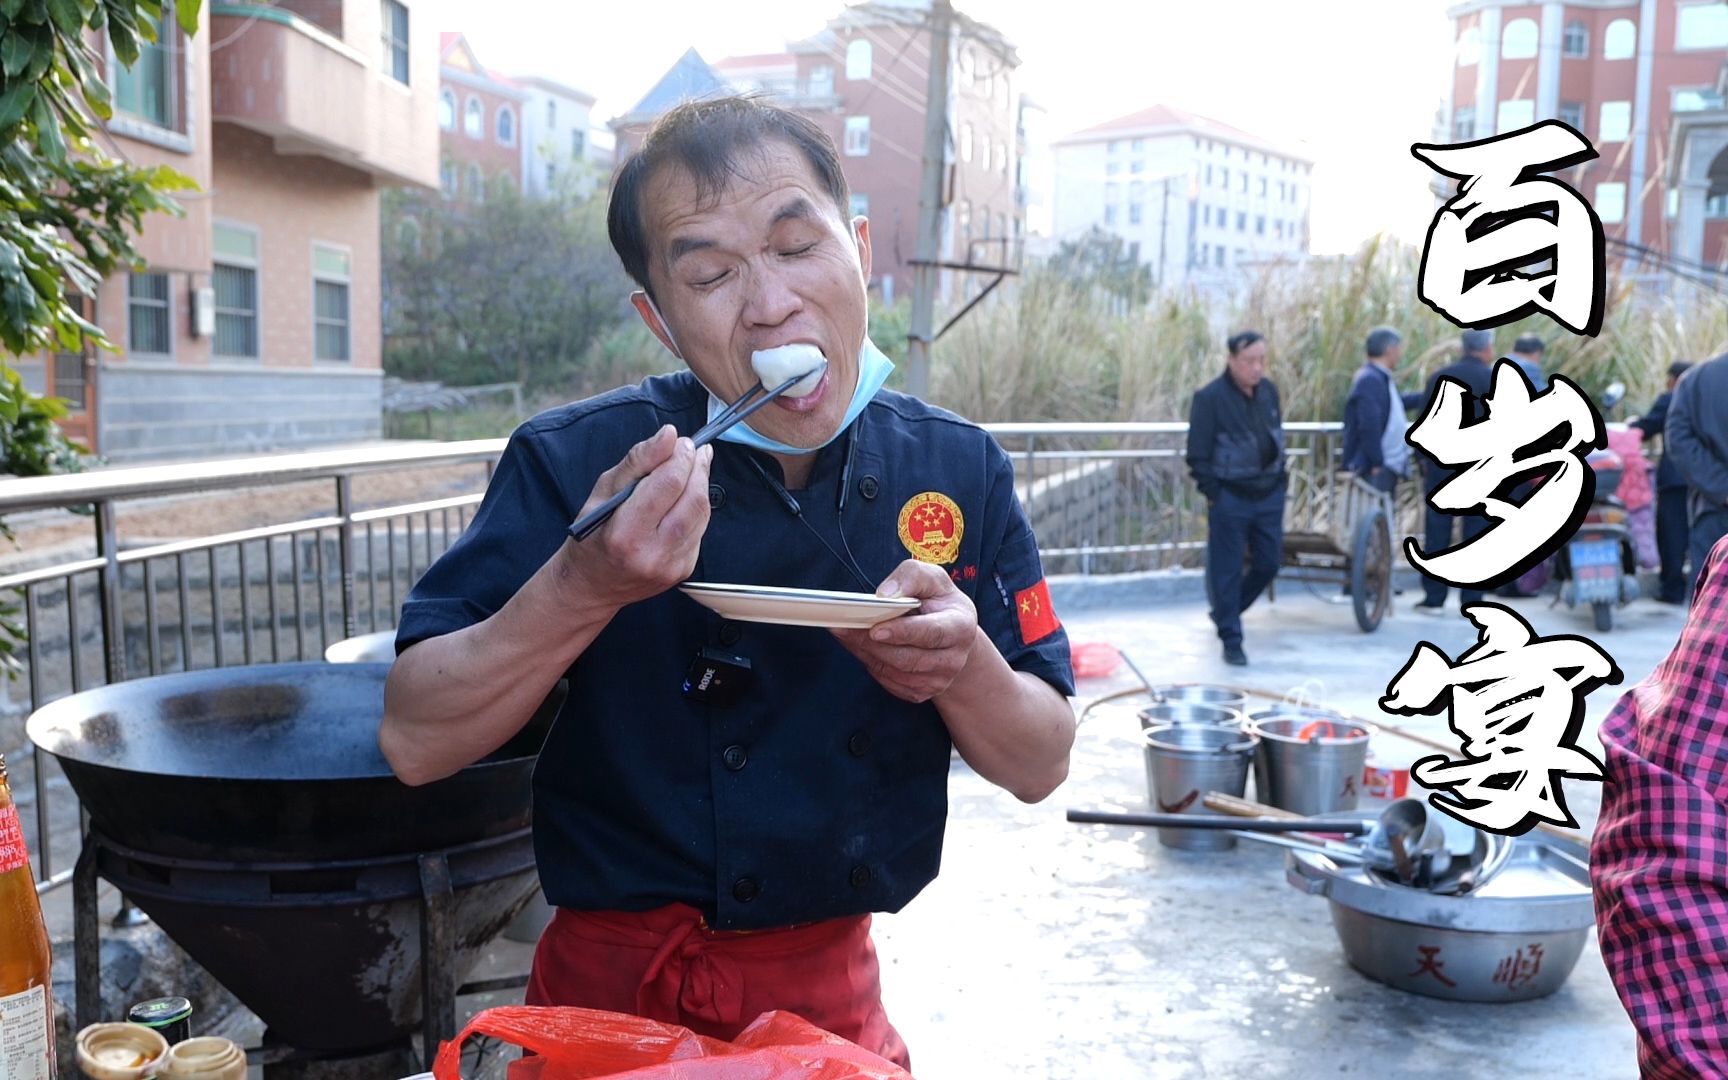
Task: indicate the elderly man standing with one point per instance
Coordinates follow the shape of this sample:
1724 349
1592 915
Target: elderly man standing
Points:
1671 522
715 849
1475 369
1697 440
1236 454
1374 418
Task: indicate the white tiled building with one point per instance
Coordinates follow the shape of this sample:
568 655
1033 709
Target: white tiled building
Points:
1193 198
557 139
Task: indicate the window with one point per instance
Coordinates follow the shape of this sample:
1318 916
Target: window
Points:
1110 214
1224 178
858 57
1218 254
476 183
147 324
1136 191
149 90
1469 47
1672 210
1260 225
551 112
1138 166
1572 114
1133 213
1701 26
1112 192
1610 202
859 205
1620 40
551 175
1716 206
447 178
1518 40
1464 123
395 23
506 125
857 136
822 81
1243 186
1002 158
1696 99
1263 183
1616 122
1515 114
1205 215
578 142
330 277
446 110
1575 40
1113 146
235 277
1137 145
966 141
1208 175
473 119
1241 221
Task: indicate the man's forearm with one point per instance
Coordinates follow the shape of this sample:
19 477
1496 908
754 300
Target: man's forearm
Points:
453 699
1013 728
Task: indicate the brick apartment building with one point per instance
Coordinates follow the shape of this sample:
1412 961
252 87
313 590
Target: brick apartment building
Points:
1192 197
1643 80
254 324
479 124
865 79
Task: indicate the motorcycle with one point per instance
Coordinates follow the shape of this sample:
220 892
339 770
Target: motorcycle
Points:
1599 564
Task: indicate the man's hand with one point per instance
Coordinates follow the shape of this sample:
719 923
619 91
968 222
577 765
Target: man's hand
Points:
916 657
651 542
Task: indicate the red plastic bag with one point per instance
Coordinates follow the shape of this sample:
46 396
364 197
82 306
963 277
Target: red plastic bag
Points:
581 1044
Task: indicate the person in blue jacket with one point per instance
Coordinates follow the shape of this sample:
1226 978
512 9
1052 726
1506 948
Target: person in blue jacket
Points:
1375 420
720 805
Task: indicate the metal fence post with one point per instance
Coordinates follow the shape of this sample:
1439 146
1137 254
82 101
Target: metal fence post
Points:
113 614
345 552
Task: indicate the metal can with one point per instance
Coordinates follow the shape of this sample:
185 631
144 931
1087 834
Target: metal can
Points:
172 1016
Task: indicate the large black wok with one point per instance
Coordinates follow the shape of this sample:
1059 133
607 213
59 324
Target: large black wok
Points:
249 811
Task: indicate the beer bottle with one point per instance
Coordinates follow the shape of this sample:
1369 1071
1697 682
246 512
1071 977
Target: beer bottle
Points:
26 1005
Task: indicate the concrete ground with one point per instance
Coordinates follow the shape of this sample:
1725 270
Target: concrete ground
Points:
1051 950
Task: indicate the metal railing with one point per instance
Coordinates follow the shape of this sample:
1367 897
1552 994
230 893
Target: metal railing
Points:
1103 498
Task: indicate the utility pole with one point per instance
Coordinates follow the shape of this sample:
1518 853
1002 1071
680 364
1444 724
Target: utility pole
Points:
1163 225
924 274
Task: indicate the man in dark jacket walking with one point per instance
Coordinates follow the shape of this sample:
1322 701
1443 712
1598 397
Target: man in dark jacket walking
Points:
1374 416
1670 497
1475 369
1236 453
1697 441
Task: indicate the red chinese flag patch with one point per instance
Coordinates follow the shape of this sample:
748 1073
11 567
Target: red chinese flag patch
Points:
1037 618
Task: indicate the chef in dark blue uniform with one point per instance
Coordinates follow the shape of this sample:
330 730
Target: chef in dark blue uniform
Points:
720 805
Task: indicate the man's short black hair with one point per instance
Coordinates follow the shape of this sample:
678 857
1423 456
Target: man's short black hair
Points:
1238 342
1679 368
1381 339
1529 343
706 139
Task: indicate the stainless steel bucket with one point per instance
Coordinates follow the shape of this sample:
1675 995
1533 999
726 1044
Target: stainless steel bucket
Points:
1190 712
1183 763
1195 693
1309 762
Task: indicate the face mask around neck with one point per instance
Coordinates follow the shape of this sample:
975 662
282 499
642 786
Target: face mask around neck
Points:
874 368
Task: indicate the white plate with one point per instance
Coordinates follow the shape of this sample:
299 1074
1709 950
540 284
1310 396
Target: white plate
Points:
798 607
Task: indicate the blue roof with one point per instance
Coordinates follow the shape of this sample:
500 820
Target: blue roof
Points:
690 79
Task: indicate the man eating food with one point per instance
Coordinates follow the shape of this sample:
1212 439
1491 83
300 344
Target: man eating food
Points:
715 847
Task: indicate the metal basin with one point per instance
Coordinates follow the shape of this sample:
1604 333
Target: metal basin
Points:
1516 938
1190 712
1195 693
249 811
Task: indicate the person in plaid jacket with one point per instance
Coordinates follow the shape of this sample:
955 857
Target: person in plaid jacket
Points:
1659 858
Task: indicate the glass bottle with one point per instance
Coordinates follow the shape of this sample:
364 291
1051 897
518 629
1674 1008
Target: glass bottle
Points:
26 983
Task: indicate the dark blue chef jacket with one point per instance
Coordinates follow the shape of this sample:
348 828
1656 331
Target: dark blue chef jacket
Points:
818 794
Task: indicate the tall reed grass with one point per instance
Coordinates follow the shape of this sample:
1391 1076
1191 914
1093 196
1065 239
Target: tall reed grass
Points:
1055 349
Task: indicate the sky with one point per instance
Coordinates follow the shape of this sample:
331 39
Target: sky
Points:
1350 84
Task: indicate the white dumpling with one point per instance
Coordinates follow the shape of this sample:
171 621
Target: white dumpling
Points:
775 366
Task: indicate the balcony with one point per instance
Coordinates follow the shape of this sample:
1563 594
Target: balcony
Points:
283 76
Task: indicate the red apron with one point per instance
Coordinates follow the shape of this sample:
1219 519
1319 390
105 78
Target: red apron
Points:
667 965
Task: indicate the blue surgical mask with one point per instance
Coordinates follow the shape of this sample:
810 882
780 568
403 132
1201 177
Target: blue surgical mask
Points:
873 370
